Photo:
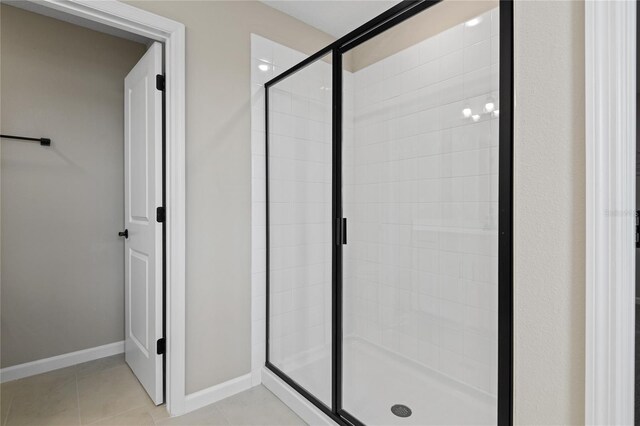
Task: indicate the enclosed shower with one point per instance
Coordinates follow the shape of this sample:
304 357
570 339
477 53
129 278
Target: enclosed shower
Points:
388 219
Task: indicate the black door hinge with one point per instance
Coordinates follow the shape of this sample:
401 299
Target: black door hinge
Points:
637 228
159 81
160 346
160 214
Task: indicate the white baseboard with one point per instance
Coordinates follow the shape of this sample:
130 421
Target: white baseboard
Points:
215 393
299 404
61 361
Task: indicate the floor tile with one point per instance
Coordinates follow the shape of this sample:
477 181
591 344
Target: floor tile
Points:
157 412
257 407
6 396
56 403
42 383
255 395
108 393
207 416
135 417
97 365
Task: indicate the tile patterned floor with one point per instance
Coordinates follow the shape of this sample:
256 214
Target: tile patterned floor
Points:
105 392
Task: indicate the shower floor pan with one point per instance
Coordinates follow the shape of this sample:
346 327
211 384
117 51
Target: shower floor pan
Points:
375 380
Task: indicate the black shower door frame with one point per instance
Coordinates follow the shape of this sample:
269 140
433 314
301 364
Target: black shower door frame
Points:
395 15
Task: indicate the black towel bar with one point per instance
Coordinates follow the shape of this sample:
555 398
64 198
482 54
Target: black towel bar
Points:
43 141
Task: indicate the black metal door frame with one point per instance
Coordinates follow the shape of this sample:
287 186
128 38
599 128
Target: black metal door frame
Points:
397 14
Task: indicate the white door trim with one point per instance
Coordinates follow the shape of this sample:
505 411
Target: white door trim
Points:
172 34
610 211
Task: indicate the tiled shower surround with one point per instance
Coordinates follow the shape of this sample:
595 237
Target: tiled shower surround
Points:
300 213
420 195
300 223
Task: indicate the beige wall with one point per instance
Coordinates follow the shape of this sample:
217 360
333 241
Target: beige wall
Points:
62 262
549 185
549 194
218 153
437 19
549 212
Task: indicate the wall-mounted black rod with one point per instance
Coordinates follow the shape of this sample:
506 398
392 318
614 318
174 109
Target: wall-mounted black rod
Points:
43 141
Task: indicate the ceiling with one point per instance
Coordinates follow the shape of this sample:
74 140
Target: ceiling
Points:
335 17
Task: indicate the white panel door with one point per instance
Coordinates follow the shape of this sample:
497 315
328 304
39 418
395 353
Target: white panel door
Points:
143 247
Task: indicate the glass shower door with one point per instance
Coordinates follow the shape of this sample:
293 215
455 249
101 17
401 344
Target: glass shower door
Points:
391 132
420 194
299 319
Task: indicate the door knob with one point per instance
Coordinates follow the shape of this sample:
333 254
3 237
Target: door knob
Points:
124 233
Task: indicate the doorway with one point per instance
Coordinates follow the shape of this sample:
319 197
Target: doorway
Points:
146 26
65 202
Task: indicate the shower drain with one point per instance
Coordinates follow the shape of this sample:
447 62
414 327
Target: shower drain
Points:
401 410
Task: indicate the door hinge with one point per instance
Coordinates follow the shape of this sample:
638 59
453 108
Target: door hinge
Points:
637 228
159 81
160 214
160 346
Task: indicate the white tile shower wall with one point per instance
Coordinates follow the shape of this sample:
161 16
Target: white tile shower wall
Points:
300 212
300 221
421 199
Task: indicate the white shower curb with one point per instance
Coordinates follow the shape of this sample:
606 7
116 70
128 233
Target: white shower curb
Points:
292 399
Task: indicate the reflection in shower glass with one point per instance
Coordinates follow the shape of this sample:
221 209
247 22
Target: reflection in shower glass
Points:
420 193
299 173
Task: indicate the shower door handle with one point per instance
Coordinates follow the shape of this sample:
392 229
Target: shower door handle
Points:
344 230
341 231
637 228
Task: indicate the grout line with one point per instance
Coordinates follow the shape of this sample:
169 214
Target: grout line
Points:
119 414
6 417
75 375
153 419
93 373
224 416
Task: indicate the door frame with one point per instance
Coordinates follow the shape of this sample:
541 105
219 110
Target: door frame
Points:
610 90
123 17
